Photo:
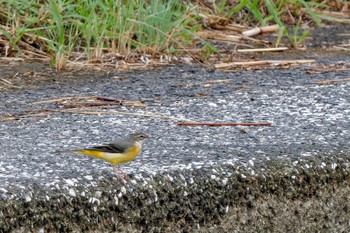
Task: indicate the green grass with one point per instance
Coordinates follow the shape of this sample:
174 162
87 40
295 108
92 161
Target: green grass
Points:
89 29
93 27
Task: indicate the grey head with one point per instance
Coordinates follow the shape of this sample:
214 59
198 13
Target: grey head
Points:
139 137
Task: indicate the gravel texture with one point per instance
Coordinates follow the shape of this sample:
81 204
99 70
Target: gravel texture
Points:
291 176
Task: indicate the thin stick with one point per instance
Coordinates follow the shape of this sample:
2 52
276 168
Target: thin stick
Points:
8 83
221 124
258 30
262 50
23 117
264 62
101 98
341 48
325 82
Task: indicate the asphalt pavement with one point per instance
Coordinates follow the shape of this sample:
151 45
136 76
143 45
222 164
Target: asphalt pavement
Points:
310 132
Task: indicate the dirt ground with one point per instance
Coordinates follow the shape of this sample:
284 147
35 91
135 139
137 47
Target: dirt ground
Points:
330 41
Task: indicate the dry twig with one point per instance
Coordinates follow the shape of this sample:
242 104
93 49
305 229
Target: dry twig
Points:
215 124
265 62
330 81
262 50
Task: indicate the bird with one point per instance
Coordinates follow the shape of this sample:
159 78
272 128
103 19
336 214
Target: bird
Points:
119 151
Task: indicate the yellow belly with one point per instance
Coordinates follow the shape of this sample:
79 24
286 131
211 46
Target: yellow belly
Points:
113 158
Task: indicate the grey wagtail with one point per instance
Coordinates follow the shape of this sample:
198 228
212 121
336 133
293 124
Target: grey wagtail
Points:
121 151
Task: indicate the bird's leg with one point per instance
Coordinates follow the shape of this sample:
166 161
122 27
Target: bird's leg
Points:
120 173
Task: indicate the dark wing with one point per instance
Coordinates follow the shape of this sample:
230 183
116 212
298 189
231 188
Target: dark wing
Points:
111 148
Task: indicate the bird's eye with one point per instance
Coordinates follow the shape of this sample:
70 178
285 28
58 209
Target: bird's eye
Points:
140 136
143 136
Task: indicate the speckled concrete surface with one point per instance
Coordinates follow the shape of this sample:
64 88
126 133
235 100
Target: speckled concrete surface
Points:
292 176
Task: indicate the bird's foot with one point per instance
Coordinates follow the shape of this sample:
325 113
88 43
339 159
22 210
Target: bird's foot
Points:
120 174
